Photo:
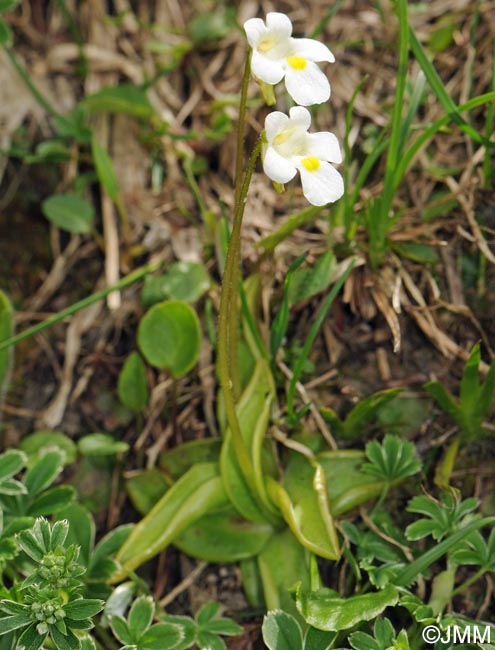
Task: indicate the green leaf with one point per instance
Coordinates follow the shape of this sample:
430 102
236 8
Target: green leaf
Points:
43 472
83 608
253 414
68 212
222 625
146 488
319 639
281 320
207 612
391 461
213 25
281 631
5 33
81 529
410 573
304 504
186 281
162 636
15 622
105 170
67 641
176 461
350 486
187 625
310 281
208 641
169 336
141 615
360 415
224 537
470 384
30 545
326 610
31 639
125 98
282 562
52 501
120 628
133 384
11 462
198 492
12 487
420 253
439 89
7 5
119 600
101 444
36 442
6 331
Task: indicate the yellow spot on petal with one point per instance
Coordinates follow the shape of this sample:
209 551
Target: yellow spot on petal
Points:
297 62
311 163
265 45
280 138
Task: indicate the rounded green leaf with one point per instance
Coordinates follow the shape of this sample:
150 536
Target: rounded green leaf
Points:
186 281
133 386
100 444
68 212
36 442
169 336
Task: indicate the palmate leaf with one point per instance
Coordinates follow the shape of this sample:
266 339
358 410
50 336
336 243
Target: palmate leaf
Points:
391 461
476 550
442 517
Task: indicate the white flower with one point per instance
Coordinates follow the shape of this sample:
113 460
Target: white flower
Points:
277 55
290 148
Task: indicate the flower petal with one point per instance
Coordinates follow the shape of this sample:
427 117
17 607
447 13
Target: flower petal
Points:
307 86
279 24
271 72
255 29
300 117
324 146
275 122
278 168
322 186
311 50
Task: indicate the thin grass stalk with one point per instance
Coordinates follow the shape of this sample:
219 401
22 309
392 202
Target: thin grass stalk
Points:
126 281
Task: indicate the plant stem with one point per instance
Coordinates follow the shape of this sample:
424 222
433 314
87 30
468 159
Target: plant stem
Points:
467 583
126 281
241 124
228 321
42 101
